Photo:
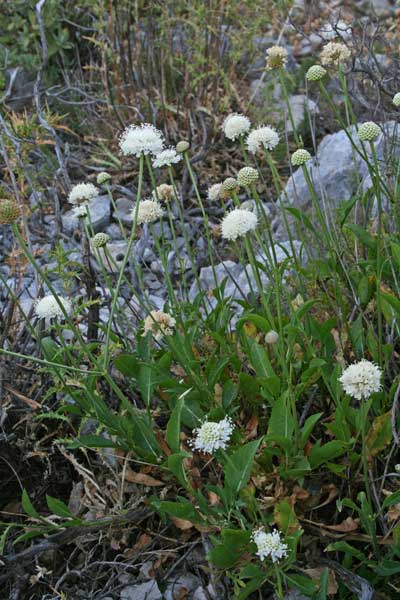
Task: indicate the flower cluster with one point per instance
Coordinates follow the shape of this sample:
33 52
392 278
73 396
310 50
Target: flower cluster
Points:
141 139
214 192
237 223
315 73
334 54
48 307
212 436
269 545
148 211
103 177
159 324
361 380
276 57
368 131
235 125
82 192
300 157
247 176
9 212
166 158
263 137
164 191
100 240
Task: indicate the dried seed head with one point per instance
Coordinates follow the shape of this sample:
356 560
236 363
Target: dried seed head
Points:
230 185
315 73
300 157
334 53
103 178
396 99
182 146
164 192
369 131
271 337
247 176
100 240
276 57
9 211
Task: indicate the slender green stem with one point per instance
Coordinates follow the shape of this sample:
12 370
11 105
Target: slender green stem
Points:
123 265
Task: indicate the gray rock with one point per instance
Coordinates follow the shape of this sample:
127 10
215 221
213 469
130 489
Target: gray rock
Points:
177 589
116 250
226 270
337 171
300 105
114 231
148 590
124 211
99 208
19 88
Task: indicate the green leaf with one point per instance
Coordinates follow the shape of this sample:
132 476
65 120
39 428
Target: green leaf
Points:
308 427
127 364
28 506
362 235
58 507
182 510
322 454
174 427
239 465
347 549
226 554
175 465
91 441
281 424
392 499
380 434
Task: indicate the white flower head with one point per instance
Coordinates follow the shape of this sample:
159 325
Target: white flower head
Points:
212 436
148 211
334 53
235 125
361 379
82 192
276 57
141 139
237 223
80 211
159 323
262 137
166 158
48 307
269 545
214 192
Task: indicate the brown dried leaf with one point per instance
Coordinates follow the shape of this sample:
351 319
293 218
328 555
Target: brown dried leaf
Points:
141 478
315 575
181 523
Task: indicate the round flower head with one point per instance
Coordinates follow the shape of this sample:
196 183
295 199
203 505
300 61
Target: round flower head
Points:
237 223
235 125
159 324
166 158
103 178
9 212
263 137
100 240
396 100
271 337
361 379
48 307
141 139
369 131
82 192
164 192
214 192
182 146
334 53
148 211
229 185
300 157
276 57
269 545
80 211
315 73
247 176
212 436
